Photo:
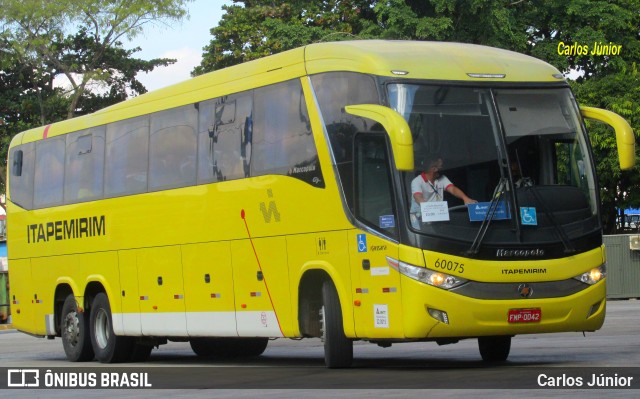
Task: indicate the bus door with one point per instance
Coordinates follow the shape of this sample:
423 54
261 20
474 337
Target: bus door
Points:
377 299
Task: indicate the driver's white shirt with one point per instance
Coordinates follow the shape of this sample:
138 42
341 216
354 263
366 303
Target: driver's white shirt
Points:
430 191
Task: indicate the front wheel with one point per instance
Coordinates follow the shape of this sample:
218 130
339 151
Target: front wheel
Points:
74 330
338 349
494 349
108 347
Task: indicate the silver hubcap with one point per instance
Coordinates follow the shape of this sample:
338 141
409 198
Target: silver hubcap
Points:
102 330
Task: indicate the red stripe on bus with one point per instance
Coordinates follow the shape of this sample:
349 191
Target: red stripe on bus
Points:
46 131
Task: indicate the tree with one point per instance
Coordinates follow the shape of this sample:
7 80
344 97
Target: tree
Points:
37 30
605 81
78 39
263 27
114 75
620 93
27 95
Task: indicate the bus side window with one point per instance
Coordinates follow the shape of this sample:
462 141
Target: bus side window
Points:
127 154
49 172
224 138
172 148
84 165
282 140
21 185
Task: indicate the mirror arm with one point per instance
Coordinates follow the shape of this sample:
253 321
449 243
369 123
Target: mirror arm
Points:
395 126
625 139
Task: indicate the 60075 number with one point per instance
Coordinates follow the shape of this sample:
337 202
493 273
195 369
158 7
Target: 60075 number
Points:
449 265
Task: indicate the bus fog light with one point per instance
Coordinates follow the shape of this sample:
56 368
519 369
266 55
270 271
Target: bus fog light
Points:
593 276
439 315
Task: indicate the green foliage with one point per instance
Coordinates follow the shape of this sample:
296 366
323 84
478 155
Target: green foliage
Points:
619 93
264 27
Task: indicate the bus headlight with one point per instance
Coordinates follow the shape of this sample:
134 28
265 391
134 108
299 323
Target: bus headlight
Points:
593 276
436 279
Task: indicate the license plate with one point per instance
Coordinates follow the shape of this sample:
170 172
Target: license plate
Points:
525 315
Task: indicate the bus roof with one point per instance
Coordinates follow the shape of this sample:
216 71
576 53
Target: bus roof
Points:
440 61
429 60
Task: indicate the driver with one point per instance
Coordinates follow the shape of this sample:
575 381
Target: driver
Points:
429 186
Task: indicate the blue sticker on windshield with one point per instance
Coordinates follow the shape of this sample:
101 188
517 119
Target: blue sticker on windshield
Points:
528 216
387 221
478 211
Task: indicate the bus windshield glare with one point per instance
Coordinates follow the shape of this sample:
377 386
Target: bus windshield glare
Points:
522 154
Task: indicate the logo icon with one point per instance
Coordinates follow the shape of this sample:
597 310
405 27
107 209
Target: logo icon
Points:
19 378
525 290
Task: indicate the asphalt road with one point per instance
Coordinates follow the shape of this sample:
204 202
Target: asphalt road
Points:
546 365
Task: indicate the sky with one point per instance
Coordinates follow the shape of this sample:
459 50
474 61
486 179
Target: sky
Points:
183 41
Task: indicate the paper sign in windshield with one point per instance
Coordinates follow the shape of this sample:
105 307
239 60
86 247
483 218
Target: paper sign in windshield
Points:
478 211
434 211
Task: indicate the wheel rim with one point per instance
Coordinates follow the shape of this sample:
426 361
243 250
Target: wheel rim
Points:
102 330
72 328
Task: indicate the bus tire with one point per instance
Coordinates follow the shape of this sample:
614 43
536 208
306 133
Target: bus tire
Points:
107 347
74 331
338 349
494 349
228 347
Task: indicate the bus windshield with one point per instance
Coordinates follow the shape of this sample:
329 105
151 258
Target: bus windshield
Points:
521 154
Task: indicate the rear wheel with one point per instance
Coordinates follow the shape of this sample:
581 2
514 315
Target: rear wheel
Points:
74 330
228 347
338 349
494 349
108 347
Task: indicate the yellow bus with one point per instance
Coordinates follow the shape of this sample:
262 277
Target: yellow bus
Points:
289 179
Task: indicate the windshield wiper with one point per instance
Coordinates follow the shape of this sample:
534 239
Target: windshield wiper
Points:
498 195
568 248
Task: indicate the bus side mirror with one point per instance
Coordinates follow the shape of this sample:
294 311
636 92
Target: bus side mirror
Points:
625 140
395 126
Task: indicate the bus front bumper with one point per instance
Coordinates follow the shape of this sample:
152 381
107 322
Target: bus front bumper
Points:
431 312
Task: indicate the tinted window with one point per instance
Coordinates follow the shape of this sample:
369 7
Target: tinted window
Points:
85 165
224 135
282 139
127 157
172 148
374 191
49 176
21 178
